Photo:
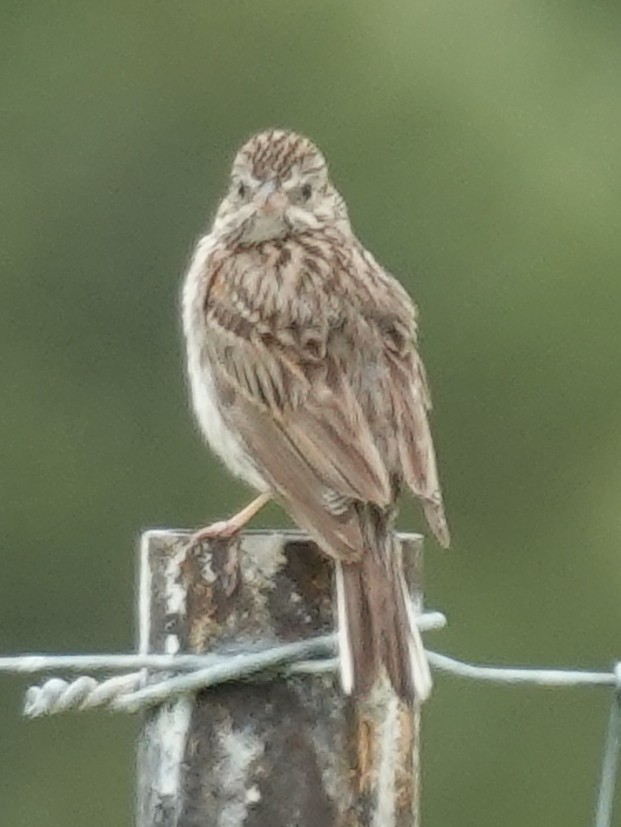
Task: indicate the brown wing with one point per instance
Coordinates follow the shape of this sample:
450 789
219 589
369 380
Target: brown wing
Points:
322 387
407 389
416 451
410 403
297 414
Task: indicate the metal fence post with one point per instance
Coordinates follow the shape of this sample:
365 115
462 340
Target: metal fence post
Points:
281 752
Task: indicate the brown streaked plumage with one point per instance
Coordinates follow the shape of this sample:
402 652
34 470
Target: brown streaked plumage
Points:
306 380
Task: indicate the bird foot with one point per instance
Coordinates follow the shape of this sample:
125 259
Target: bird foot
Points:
232 526
216 531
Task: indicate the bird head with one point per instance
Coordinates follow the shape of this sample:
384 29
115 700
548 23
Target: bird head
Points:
279 186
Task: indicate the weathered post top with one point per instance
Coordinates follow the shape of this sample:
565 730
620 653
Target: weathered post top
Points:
275 752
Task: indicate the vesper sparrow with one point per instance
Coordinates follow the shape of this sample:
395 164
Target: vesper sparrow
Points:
307 381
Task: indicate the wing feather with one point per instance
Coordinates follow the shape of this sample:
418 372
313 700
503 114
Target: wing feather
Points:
415 444
331 404
288 393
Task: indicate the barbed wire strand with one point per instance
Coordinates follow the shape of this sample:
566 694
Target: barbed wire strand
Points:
303 657
59 695
245 667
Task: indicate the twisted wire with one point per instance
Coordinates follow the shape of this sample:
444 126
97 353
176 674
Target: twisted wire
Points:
171 676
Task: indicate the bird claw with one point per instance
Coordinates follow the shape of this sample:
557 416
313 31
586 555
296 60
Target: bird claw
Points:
216 531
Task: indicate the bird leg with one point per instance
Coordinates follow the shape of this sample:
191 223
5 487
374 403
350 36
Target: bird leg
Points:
227 528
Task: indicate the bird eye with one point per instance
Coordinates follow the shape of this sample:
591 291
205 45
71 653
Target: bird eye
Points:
242 189
306 191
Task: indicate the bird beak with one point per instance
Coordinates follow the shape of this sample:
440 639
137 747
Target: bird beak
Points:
269 199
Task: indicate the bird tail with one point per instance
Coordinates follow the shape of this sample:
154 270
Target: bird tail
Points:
376 621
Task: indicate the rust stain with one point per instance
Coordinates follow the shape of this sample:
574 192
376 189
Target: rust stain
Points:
406 781
211 572
365 750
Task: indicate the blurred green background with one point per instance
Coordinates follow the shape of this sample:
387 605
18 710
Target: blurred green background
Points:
477 145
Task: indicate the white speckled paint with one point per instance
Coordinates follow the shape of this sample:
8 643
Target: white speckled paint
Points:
239 751
173 719
389 740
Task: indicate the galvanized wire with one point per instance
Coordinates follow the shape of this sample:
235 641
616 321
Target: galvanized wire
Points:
172 676
610 764
510 675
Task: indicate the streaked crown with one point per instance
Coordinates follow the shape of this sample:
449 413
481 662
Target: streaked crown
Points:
276 153
279 186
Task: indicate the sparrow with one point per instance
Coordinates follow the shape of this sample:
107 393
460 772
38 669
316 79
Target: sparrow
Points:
307 382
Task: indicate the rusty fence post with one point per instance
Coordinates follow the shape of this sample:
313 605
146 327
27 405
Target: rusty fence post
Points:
277 751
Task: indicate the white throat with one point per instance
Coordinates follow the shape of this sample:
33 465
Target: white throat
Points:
264 228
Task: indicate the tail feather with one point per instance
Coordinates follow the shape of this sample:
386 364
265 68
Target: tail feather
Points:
377 624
